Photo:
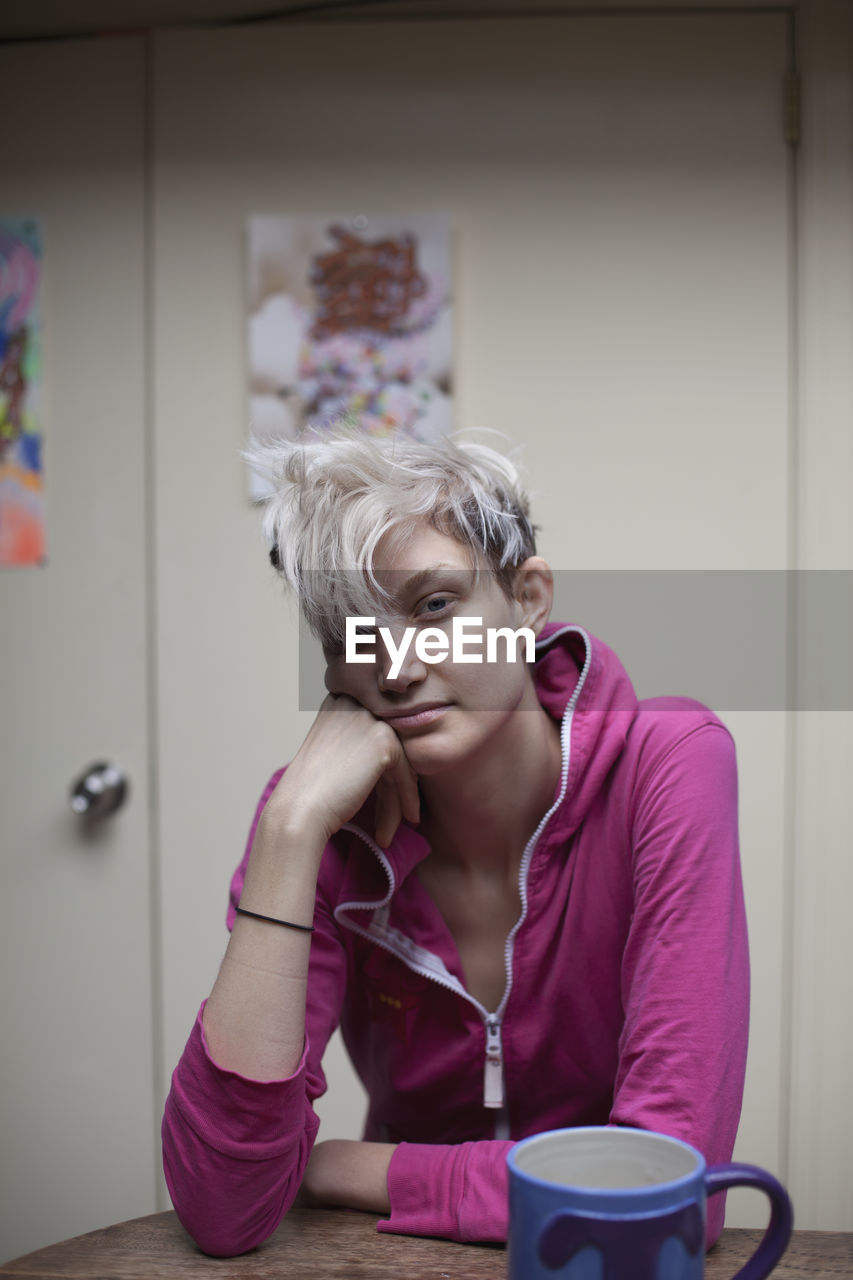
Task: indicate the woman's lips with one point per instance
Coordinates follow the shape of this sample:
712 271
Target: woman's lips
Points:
417 716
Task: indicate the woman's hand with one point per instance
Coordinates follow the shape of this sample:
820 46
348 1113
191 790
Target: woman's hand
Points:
347 753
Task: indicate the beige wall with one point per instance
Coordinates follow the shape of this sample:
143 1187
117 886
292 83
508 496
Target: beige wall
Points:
819 957
228 136
543 144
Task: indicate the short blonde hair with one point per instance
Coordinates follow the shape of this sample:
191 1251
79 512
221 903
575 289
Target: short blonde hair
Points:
337 494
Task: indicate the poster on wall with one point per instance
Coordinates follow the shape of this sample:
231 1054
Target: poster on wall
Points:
21 479
349 322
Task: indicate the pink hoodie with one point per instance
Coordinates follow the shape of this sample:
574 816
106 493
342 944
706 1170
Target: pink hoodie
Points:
626 999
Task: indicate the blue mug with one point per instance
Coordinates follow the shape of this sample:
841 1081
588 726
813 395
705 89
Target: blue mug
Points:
609 1203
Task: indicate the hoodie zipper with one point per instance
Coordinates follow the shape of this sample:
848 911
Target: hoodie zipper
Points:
493 1074
494 1078
419 960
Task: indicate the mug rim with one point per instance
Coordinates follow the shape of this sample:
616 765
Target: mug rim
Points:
641 1192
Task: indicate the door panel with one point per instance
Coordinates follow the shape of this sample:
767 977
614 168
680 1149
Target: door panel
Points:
76 1125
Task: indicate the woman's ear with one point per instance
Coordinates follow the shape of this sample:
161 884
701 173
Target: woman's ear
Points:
533 592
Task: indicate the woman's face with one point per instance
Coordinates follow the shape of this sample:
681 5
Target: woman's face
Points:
445 712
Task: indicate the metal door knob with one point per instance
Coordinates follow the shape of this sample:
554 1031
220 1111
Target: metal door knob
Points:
100 790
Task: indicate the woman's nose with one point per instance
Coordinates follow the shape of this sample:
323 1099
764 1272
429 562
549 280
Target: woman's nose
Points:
398 666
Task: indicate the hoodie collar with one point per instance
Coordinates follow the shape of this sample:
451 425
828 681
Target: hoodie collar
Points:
581 682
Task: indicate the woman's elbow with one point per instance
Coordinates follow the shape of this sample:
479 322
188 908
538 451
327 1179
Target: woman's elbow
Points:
221 1233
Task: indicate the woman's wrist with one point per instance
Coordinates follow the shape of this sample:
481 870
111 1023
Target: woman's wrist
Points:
352 1175
290 819
286 853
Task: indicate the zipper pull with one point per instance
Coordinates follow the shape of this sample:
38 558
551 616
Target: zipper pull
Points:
493 1076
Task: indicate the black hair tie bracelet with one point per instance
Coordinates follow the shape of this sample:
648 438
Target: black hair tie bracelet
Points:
287 924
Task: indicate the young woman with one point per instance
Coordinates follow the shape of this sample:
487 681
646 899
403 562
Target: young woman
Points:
513 885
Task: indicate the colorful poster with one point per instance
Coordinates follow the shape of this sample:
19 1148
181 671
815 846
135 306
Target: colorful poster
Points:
349 321
21 478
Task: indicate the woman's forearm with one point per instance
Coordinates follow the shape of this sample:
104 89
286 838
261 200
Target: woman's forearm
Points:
353 1175
254 1020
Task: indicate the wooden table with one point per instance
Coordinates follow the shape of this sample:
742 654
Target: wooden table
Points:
332 1244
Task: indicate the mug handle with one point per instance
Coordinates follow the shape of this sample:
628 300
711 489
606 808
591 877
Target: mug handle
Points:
719 1177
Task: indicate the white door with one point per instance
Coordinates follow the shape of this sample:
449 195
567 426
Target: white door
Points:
76 1061
619 190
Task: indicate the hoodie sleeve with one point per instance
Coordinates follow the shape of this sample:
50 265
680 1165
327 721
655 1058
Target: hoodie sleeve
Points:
235 1149
458 1192
685 968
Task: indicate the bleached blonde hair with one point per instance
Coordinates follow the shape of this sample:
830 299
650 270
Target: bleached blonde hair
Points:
337 493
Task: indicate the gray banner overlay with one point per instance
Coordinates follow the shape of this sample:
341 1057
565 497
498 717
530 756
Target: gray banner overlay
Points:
745 640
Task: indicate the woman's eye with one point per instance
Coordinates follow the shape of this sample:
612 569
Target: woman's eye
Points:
437 604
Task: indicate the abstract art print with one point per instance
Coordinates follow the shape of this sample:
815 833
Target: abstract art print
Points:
22 540
349 322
